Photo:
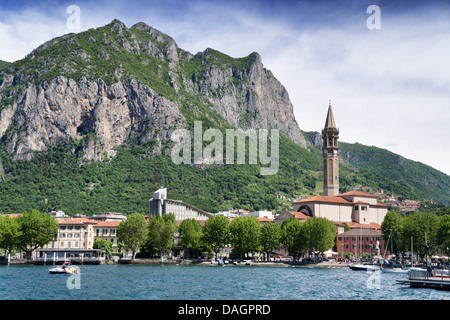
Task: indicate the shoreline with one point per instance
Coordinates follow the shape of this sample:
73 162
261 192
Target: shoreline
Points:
285 264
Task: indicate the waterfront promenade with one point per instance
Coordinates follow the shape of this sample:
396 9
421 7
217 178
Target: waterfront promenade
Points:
283 263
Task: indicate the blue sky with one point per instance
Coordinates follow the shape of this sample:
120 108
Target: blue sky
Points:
389 87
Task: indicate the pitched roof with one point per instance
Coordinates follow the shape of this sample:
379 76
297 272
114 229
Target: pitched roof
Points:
12 215
108 224
361 232
325 199
264 219
329 123
357 226
77 221
357 194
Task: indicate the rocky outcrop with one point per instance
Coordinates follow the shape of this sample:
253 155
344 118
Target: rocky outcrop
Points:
66 109
36 113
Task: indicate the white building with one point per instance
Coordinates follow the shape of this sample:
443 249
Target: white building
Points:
160 205
262 214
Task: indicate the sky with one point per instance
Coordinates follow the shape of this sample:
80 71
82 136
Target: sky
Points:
386 70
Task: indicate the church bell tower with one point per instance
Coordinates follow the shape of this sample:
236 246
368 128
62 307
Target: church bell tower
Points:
330 153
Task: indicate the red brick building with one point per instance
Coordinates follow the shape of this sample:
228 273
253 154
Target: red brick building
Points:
359 242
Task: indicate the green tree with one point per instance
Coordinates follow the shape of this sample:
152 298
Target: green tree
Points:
270 237
190 231
36 230
293 237
9 233
103 244
245 234
320 234
133 232
422 227
392 230
216 233
443 233
161 231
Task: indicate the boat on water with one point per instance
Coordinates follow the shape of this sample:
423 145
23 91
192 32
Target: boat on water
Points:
364 267
66 268
441 273
394 270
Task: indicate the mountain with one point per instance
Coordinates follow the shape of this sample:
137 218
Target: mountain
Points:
4 64
86 121
114 84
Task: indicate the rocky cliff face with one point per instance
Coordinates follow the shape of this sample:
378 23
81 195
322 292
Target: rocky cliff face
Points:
114 84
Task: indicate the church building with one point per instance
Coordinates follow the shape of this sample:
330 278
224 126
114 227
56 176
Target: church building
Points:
357 209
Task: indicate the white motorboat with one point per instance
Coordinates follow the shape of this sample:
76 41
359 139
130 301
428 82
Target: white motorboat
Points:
394 270
364 267
66 268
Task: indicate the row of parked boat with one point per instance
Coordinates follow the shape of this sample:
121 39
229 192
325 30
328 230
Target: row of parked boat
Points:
369 267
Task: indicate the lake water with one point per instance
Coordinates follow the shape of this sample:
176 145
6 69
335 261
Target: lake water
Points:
144 282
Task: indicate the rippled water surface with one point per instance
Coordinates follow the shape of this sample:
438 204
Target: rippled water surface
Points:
138 282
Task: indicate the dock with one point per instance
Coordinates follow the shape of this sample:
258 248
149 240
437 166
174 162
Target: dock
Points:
420 279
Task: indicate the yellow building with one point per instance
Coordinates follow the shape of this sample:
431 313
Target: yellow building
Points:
73 234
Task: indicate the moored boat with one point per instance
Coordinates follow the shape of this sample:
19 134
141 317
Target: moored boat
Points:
66 268
394 270
364 267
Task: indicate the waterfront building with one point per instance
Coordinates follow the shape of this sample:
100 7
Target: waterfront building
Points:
107 230
262 214
73 233
353 206
160 205
290 214
109 216
360 242
350 207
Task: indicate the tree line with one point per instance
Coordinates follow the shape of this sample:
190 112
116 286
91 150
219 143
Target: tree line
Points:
422 233
157 235
244 234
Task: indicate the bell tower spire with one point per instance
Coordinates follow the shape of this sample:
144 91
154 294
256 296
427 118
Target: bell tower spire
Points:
330 153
